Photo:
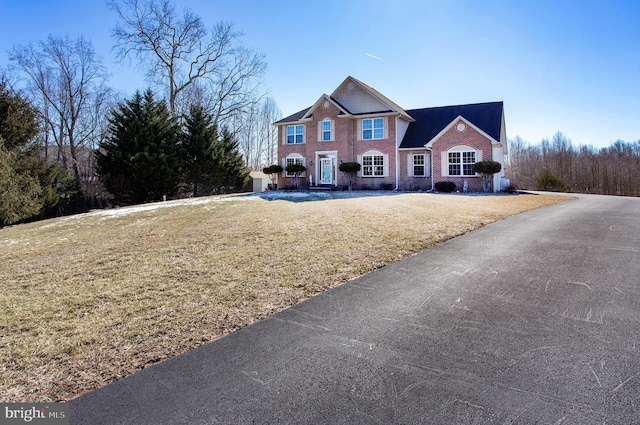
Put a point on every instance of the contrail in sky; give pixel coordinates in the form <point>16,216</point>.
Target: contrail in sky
<point>374,57</point>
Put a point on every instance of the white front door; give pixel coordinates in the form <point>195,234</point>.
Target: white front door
<point>326,171</point>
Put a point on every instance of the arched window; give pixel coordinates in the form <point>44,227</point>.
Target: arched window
<point>459,160</point>
<point>374,164</point>
<point>293,158</point>
<point>326,134</point>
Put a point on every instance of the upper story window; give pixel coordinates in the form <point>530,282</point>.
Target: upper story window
<point>295,134</point>
<point>461,163</point>
<point>326,130</point>
<point>372,128</point>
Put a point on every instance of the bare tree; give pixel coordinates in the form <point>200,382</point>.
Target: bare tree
<point>258,137</point>
<point>67,83</point>
<point>612,170</point>
<point>181,54</point>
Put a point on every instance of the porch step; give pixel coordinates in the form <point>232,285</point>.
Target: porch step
<point>324,188</point>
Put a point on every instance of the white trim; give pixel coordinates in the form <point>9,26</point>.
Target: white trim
<point>334,156</point>
<point>286,134</point>
<point>331,130</point>
<point>293,156</point>
<point>460,149</point>
<point>396,109</point>
<point>411,158</point>
<point>323,98</point>
<point>430,143</point>
<point>373,153</point>
<point>385,125</point>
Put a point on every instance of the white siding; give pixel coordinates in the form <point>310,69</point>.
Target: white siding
<point>358,101</point>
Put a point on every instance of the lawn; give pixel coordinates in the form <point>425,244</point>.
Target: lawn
<point>91,298</point>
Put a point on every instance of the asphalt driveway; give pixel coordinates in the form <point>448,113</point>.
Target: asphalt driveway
<point>534,319</point>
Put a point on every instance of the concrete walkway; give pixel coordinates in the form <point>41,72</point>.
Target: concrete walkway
<point>534,319</point>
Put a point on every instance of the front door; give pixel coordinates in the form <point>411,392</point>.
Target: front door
<point>326,170</point>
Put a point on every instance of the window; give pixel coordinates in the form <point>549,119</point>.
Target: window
<point>293,160</point>
<point>418,165</point>
<point>373,128</point>
<point>326,130</point>
<point>295,134</point>
<point>461,163</point>
<point>373,165</point>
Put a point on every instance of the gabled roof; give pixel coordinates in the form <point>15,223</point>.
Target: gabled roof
<point>391,105</point>
<point>293,118</point>
<point>429,122</point>
<point>326,98</point>
<point>386,104</point>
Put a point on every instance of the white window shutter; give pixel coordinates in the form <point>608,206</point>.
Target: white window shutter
<point>444,164</point>
<point>359,137</point>
<point>385,128</point>
<point>304,134</point>
<point>359,161</point>
<point>410,165</point>
<point>385,165</point>
<point>333,130</point>
<point>478,156</point>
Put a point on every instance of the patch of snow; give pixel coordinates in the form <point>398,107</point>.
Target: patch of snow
<point>119,212</point>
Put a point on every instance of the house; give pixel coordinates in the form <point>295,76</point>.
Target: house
<point>397,149</point>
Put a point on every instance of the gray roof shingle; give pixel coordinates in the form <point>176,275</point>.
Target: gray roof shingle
<point>431,121</point>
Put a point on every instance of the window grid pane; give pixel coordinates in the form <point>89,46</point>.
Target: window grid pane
<point>295,134</point>
<point>418,165</point>
<point>378,162</point>
<point>373,128</point>
<point>291,161</point>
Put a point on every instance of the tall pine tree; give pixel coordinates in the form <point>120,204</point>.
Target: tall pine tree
<point>27,183</point>
<point>141,159</point>
<point>199,146</point>
<point>231,172</point>
<point>212,161</point>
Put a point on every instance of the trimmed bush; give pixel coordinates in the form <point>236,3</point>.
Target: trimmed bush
<point>349,167</point>
<point>445,186</point>
<point>272,169</point>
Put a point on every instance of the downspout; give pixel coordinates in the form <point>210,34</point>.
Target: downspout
<point>397,158</point>
<point>431,156</point>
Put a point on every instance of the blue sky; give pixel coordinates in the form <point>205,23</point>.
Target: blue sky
<point>570,66</point>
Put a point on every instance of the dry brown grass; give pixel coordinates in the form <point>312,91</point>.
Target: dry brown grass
<point>88,299</point>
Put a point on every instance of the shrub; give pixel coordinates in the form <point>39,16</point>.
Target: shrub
<point>547,181</point>
<point>487,169</point>
<point>445,186</point>
<point>349,167</point>
<point>272,169</point>
<point>295,168</point>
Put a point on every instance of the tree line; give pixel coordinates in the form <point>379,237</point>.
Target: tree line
<point>191,68</point>
<point>559,165</point>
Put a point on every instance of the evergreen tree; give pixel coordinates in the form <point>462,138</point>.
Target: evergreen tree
<point>212,162</point>
<point>199,149</point>
<point>230,171</point>
<point>140,160</point>
<point>27,183</point>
